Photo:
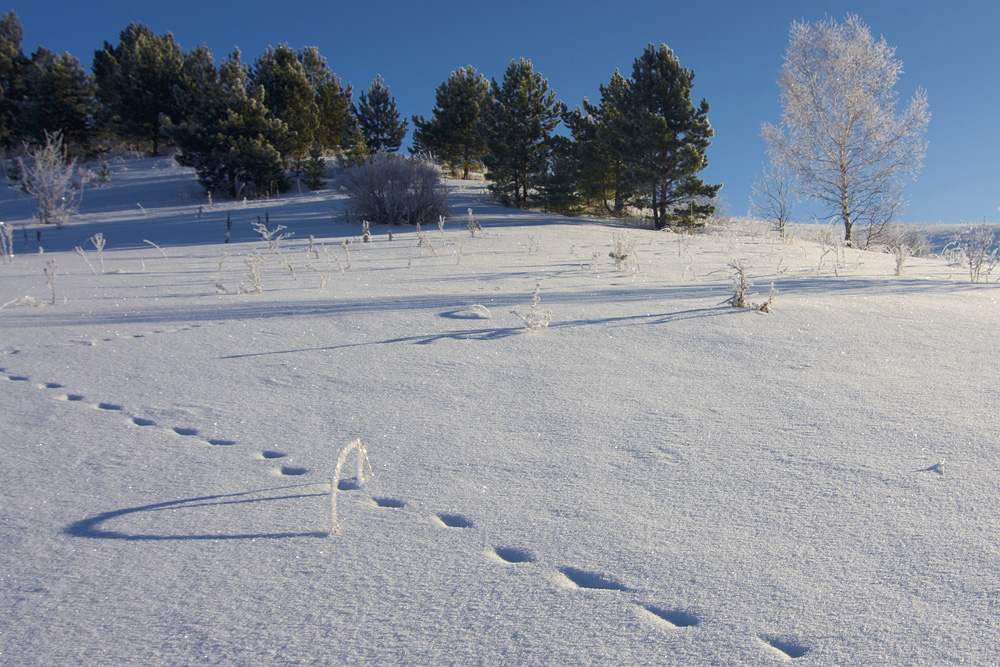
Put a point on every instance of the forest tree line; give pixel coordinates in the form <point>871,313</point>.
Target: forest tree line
<point>245,126</point>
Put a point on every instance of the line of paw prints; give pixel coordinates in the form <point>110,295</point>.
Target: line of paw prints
<point>674,618</point>
<point>137,420</point>
<point>671,617</point>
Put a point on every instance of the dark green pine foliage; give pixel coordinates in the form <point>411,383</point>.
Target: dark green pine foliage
<point>661,137</point>
<point>315,169</point>
<point>598,147</point>
<point>12,68</point>
<point>517,127</point>
<point>59,96</point>
<point>378,119</point>
<point>452,135</point>
<point>336,122</point>
<point>136,80</point>
<point>229,137</point>
<point>288,95</point>
<point>561,190</point>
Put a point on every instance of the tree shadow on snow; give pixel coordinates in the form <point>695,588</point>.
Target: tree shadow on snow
<point>92,527</point>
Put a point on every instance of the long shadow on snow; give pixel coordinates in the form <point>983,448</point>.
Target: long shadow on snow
<point>495,334</point>
<point>91,526</point>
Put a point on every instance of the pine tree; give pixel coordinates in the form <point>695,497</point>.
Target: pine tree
<point>58,97</point>
<point>12,68</point>
<point>379,120</point>
<point>517,128</point>
<point>136,80</point>
<point>231,140</point>
<point>652,127</point>
<point>452,133</point>
<point>288,95</point>
<point>333,102</point>
<point>315,170</point>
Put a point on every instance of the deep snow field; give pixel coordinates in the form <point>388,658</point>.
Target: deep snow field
<point>655,478</point>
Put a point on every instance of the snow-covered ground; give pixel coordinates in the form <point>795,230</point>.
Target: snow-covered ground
<point>653,478</point>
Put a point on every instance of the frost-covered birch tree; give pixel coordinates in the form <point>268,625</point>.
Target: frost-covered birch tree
<point>47,174</point>
<point>840,134</point>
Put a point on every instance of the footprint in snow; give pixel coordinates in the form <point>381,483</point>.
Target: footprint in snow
<point>594,580</point>
<point>142,421</point>
<point>455,520</point>
<point>221,443</point>
<point>514,555</point>
<point>290,470</point>
<point>677,618</point>
<point>788,648</point>
<point>389,502</point>
<point>185,431</point>
<point>109,406</point>
<point>73,397</point>
<point>270,454</point>
<point>17,378</point>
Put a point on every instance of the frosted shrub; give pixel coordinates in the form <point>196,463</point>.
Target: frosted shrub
<point>47,175</point>
<point>742,283</point>
<point>391,189</point>
<point>271,236</point>
<point>978,248</point>
<point>537,318</point>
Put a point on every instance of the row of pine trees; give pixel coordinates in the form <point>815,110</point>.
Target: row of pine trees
<point>244,126</point>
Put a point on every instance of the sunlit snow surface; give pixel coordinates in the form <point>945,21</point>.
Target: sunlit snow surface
<point>653,478</point>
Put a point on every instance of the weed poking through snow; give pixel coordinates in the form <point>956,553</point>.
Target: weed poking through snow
<point>363,463</point>
<point>537,318</point>
<point>742,283</point>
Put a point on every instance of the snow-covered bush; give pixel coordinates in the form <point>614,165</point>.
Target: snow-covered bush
<point>47,175</point>
<point>978,247</point>
<point>388,188</point>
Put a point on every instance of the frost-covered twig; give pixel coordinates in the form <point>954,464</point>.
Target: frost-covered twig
<point>362,464</point>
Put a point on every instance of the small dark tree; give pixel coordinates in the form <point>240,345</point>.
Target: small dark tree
<point>288,95</point>
<point>452,133</point>
<point>336,122</point>
<point>230,139</point>
<point>315,169</point>
<point>517,128</point>
<point>12,68</point>
<point>136,81</point>
<point>378,119</point>
<point>660,138</point>
<point>58,98</point>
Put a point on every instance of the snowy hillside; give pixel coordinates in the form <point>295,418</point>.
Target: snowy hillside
<point>653,478</point>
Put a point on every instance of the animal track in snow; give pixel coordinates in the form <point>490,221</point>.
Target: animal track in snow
<point>270,454</point>
<point>73,397</point>
<point>389,502</point>
<point>513,555</point>
<point>109,406</point>
<point>455,520</point>
<point>142,421</point>
<point>677,618</point>
<point>221,443</point>
<point>290,470</point>
<point>185,431</point>
<point>51,385</point>
<point>17,378</point>
<point>790,649</point>
<point>597,581</point>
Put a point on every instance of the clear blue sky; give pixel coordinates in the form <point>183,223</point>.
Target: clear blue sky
<point>735,48</point>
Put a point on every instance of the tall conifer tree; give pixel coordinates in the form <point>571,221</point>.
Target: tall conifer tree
<point>518,127</point>
<point>452,133</point>
<point>378,118</point>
